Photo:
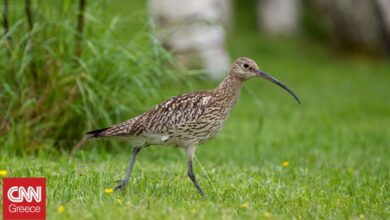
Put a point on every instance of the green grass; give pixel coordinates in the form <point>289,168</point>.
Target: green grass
<point>337,144</point>
<point>45,111</point>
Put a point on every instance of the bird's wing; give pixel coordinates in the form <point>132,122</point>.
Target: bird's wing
<point>172,114</point>
<point>165,117</point>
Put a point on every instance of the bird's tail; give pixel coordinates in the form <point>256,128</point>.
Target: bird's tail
<point>97,133</point>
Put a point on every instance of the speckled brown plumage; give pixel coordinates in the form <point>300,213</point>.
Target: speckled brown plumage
<point>181,120</point>
<point>186,120</point>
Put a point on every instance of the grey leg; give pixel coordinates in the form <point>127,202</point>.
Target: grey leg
<point>191,174</point>
<point>123,183</point>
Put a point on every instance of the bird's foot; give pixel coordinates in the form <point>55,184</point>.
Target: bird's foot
<point>121,185</point>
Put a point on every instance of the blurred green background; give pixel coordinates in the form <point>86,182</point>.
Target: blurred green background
<point>337,143</point>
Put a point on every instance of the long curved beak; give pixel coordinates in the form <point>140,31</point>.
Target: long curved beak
<point>277,82</point>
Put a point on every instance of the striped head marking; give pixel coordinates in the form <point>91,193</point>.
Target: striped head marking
<point>244,68</point>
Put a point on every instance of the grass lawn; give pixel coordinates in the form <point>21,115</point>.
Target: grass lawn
<point>337,145</point>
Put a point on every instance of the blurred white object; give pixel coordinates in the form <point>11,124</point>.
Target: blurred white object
<point>278,17</point>
<point>194,31</point>
<point>384,9</point>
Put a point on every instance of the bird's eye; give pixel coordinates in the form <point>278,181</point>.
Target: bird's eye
<point>246,66</point>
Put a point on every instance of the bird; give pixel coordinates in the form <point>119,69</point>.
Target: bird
<point>188,120</point>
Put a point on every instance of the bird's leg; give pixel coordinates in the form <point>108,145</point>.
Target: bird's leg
<point>191,174</point>
<point>123,183</point>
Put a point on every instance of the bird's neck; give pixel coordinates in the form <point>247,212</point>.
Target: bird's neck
<point>231,84</point>
<point>230,88</point>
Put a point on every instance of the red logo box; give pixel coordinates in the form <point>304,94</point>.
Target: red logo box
<point>24,198</point>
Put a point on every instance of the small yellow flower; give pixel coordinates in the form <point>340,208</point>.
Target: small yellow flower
<point>61,209</point>
<point>193,210</point>
<point>3,173</point>
<point>108,190</point>
<point>361,216</point>
<point>119,201</point>
<point>244,205</point>
<point>285,164</point>
<point>267,215</point>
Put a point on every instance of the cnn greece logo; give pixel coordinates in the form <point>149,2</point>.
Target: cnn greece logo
<point>24,198</point>
<point>28,194</point>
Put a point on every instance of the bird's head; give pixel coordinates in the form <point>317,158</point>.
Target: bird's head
<point>245,68</point>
